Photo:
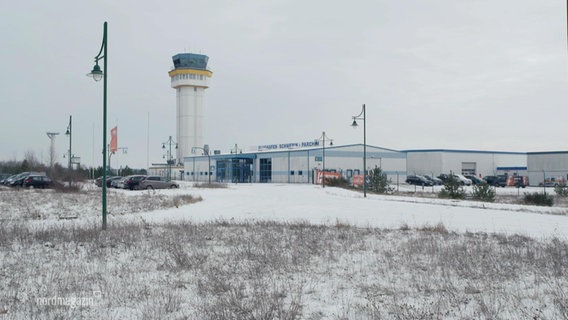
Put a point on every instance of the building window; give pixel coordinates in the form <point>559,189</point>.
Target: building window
<point>300,172</point>
<point>292,172</point>
<point>349,173</point>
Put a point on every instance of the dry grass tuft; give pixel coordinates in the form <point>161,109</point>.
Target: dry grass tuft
<point>213,185</point>
<point>270,270</point>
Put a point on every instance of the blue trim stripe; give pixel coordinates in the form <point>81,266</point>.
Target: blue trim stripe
<point>547,152</point>
<point>512,168</point>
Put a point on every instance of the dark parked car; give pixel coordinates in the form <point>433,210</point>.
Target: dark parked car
<point>418,181</point>
<point>4,176</point>
<point>18,180</point>
<point>435,180</point>
<point>133,182</point>
<point>474,179</point>
<point>99,180</point>
<point>156,182</point>
<point>8,181</point>
<point>496,181</point>
<point>37,181</point>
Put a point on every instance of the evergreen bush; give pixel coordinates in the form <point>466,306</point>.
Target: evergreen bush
<point>452,189</point>
<point>561,189</point>
<point>483,192</point>
<point>539,199</point>
<point>378,181</point>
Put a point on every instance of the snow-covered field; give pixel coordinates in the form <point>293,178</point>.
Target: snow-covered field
<point>309,203</point>
<point>265,251</point>
<point>314,204</point>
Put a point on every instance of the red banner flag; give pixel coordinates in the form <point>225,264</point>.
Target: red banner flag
<point>113,139</point>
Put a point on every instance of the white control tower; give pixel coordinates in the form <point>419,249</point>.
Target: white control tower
<point>190,78</point>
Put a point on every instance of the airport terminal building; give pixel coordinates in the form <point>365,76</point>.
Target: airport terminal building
<point>300,163</point>
<point>297,163</point>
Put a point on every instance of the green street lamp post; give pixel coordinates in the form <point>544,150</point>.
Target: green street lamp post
<point>363,116</point>
<point>97,75</point>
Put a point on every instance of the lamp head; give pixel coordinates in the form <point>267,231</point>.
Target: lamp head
<point>163,146</point>
<point>331,143</point>
<point>96,73</point>
<point>67,132</point>
<point>354,124</point>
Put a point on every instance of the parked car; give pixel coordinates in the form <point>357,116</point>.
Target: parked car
<point>435,181</point>
<point>418,180</point>
<point>37,181</point>
<point>9,180</point>
<point>18,180</point>
<point>474,179</point>
<point>461,179</point>
<point>496,181</point>
<point>4,176</point>
<point>443,177</point>
<point>552,182</point>
<point>118,183</point>
<point>520,181</point>
<point>99,180</point>
<point>156,182</point>
<point>132,182</point>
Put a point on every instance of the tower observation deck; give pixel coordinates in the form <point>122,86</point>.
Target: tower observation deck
<point>190,78</point>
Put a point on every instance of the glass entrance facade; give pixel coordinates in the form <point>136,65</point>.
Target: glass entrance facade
<point>236,170</point>
<point>265,170</point>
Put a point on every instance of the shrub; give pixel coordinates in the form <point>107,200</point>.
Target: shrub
<point>452,189</point>
<point>483,192</point>
<point>439,228</point>
<point>539,199</point>
<point>337,182</point>
<point>561,189</point>
<point>379,181</point>
<point>61,188</point>
<point>213,185</point>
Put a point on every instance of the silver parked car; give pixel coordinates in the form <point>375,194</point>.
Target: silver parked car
<point>461,179</point>
<point>156,182</point>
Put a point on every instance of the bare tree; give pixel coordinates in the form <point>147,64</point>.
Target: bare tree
<point>32,161</point>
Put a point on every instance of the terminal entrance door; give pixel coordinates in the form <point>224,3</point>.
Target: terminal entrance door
<point>236,170</point>
<point>265,170</point>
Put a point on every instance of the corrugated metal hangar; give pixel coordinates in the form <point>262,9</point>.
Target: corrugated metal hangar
<point>467,162</point>
<point>547,168</point>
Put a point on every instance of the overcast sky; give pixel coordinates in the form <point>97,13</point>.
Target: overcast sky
<point>454,74</point>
